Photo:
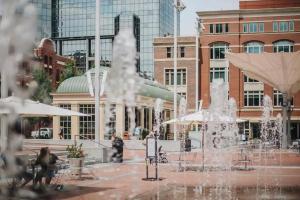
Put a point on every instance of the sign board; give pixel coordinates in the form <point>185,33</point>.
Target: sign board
<point>150,147</point>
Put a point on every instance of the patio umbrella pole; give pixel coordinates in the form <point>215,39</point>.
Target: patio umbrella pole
<point>202,149</point>
<point>284,143</point>
<point>289,115</point>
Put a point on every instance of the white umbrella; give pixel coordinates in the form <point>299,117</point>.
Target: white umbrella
<point>32,108</point>
<point>279,70</point>
<point>202,116</point>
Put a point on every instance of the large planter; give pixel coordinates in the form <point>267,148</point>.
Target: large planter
<point>76,165</point>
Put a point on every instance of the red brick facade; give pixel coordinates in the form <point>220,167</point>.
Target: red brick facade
<point>187,63</point>
<point>52,62</point>
<point>237,39</point>
<point>258,4</point>
<point>260,27</point>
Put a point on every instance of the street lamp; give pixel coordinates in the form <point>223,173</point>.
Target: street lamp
<point>178,7</point>
<point>97,72</point>
<point>199,29</point>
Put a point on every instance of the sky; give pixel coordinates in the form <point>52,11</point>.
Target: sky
<point>188,16</point>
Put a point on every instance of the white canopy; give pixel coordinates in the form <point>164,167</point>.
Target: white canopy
<point>279,70</point>
<point>202,116</point>
<point>32,108</point>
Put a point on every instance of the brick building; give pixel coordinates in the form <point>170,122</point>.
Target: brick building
<point>164,62</point>
<point>258,26</point>
<point>52,63</point>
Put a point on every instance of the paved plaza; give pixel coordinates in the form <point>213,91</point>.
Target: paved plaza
<point>279,173</point>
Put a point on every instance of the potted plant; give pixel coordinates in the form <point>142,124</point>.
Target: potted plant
<point>76,158</point>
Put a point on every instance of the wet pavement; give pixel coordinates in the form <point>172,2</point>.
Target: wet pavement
<point>275,178</point>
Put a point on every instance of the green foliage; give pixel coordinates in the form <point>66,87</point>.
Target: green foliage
<point>145,132</point>
<point>68,72</point>
<point>42,92</point>
<point>75,151</point>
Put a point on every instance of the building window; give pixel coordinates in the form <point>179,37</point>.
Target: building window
<point>87,123</point>
<point>169,77</point>
<point>182,94</point>
<point>278,98</point>
<point>245,28</point>
<point>253,98</point>
<point>283,46</point>
<point>65,123</point>
<point>249,80</point>
<point>211,28</point>
<point>283,26</point>
<point>254,47</point>
<point>219,72</point>
<point>182,52</point>
<point>181,77</point>
<point>291,26</point>
<point>252,27</point>
<point>275,26</point>
<point>226,28</point>
<point>169,52</point>
<point>261,27</point>
<point>219,28</point>
<point>217,51</point>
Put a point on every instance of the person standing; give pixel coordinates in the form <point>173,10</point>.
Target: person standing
<point>117,145</point>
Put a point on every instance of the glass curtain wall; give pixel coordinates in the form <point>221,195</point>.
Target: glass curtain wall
<point>75,20</point>
<point>43,9</point>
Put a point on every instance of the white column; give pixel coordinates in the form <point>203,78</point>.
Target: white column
<point>142,117</point>
<point>102,121</point>
<point>56,125</point>
<point>120,119</point>
<point>150,119</point>
<point>74,121</point>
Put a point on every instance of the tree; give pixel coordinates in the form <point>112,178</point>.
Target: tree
<point>42,92</point>
<point>68,72</point>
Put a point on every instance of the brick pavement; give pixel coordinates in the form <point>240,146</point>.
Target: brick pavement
<point>124,181</point>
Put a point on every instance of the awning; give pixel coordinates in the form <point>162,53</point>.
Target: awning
<point>203,116</point>
<point>279,70</point>
<point>31,108</point>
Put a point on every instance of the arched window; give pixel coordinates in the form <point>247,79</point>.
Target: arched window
<point>254,47</point>
<point>217,50</point>
<point>283,46</point>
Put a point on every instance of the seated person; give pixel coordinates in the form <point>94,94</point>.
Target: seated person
<point>47,162</point>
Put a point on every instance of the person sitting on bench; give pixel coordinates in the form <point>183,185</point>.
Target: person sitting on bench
<point>47,162</point>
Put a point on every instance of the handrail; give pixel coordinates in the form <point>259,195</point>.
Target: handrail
<point>85,137</point>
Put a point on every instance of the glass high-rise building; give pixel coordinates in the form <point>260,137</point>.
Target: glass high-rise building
<point>44,17</point>
<point>73,28</point>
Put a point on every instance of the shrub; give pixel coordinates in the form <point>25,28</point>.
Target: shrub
<point>75,151</point>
